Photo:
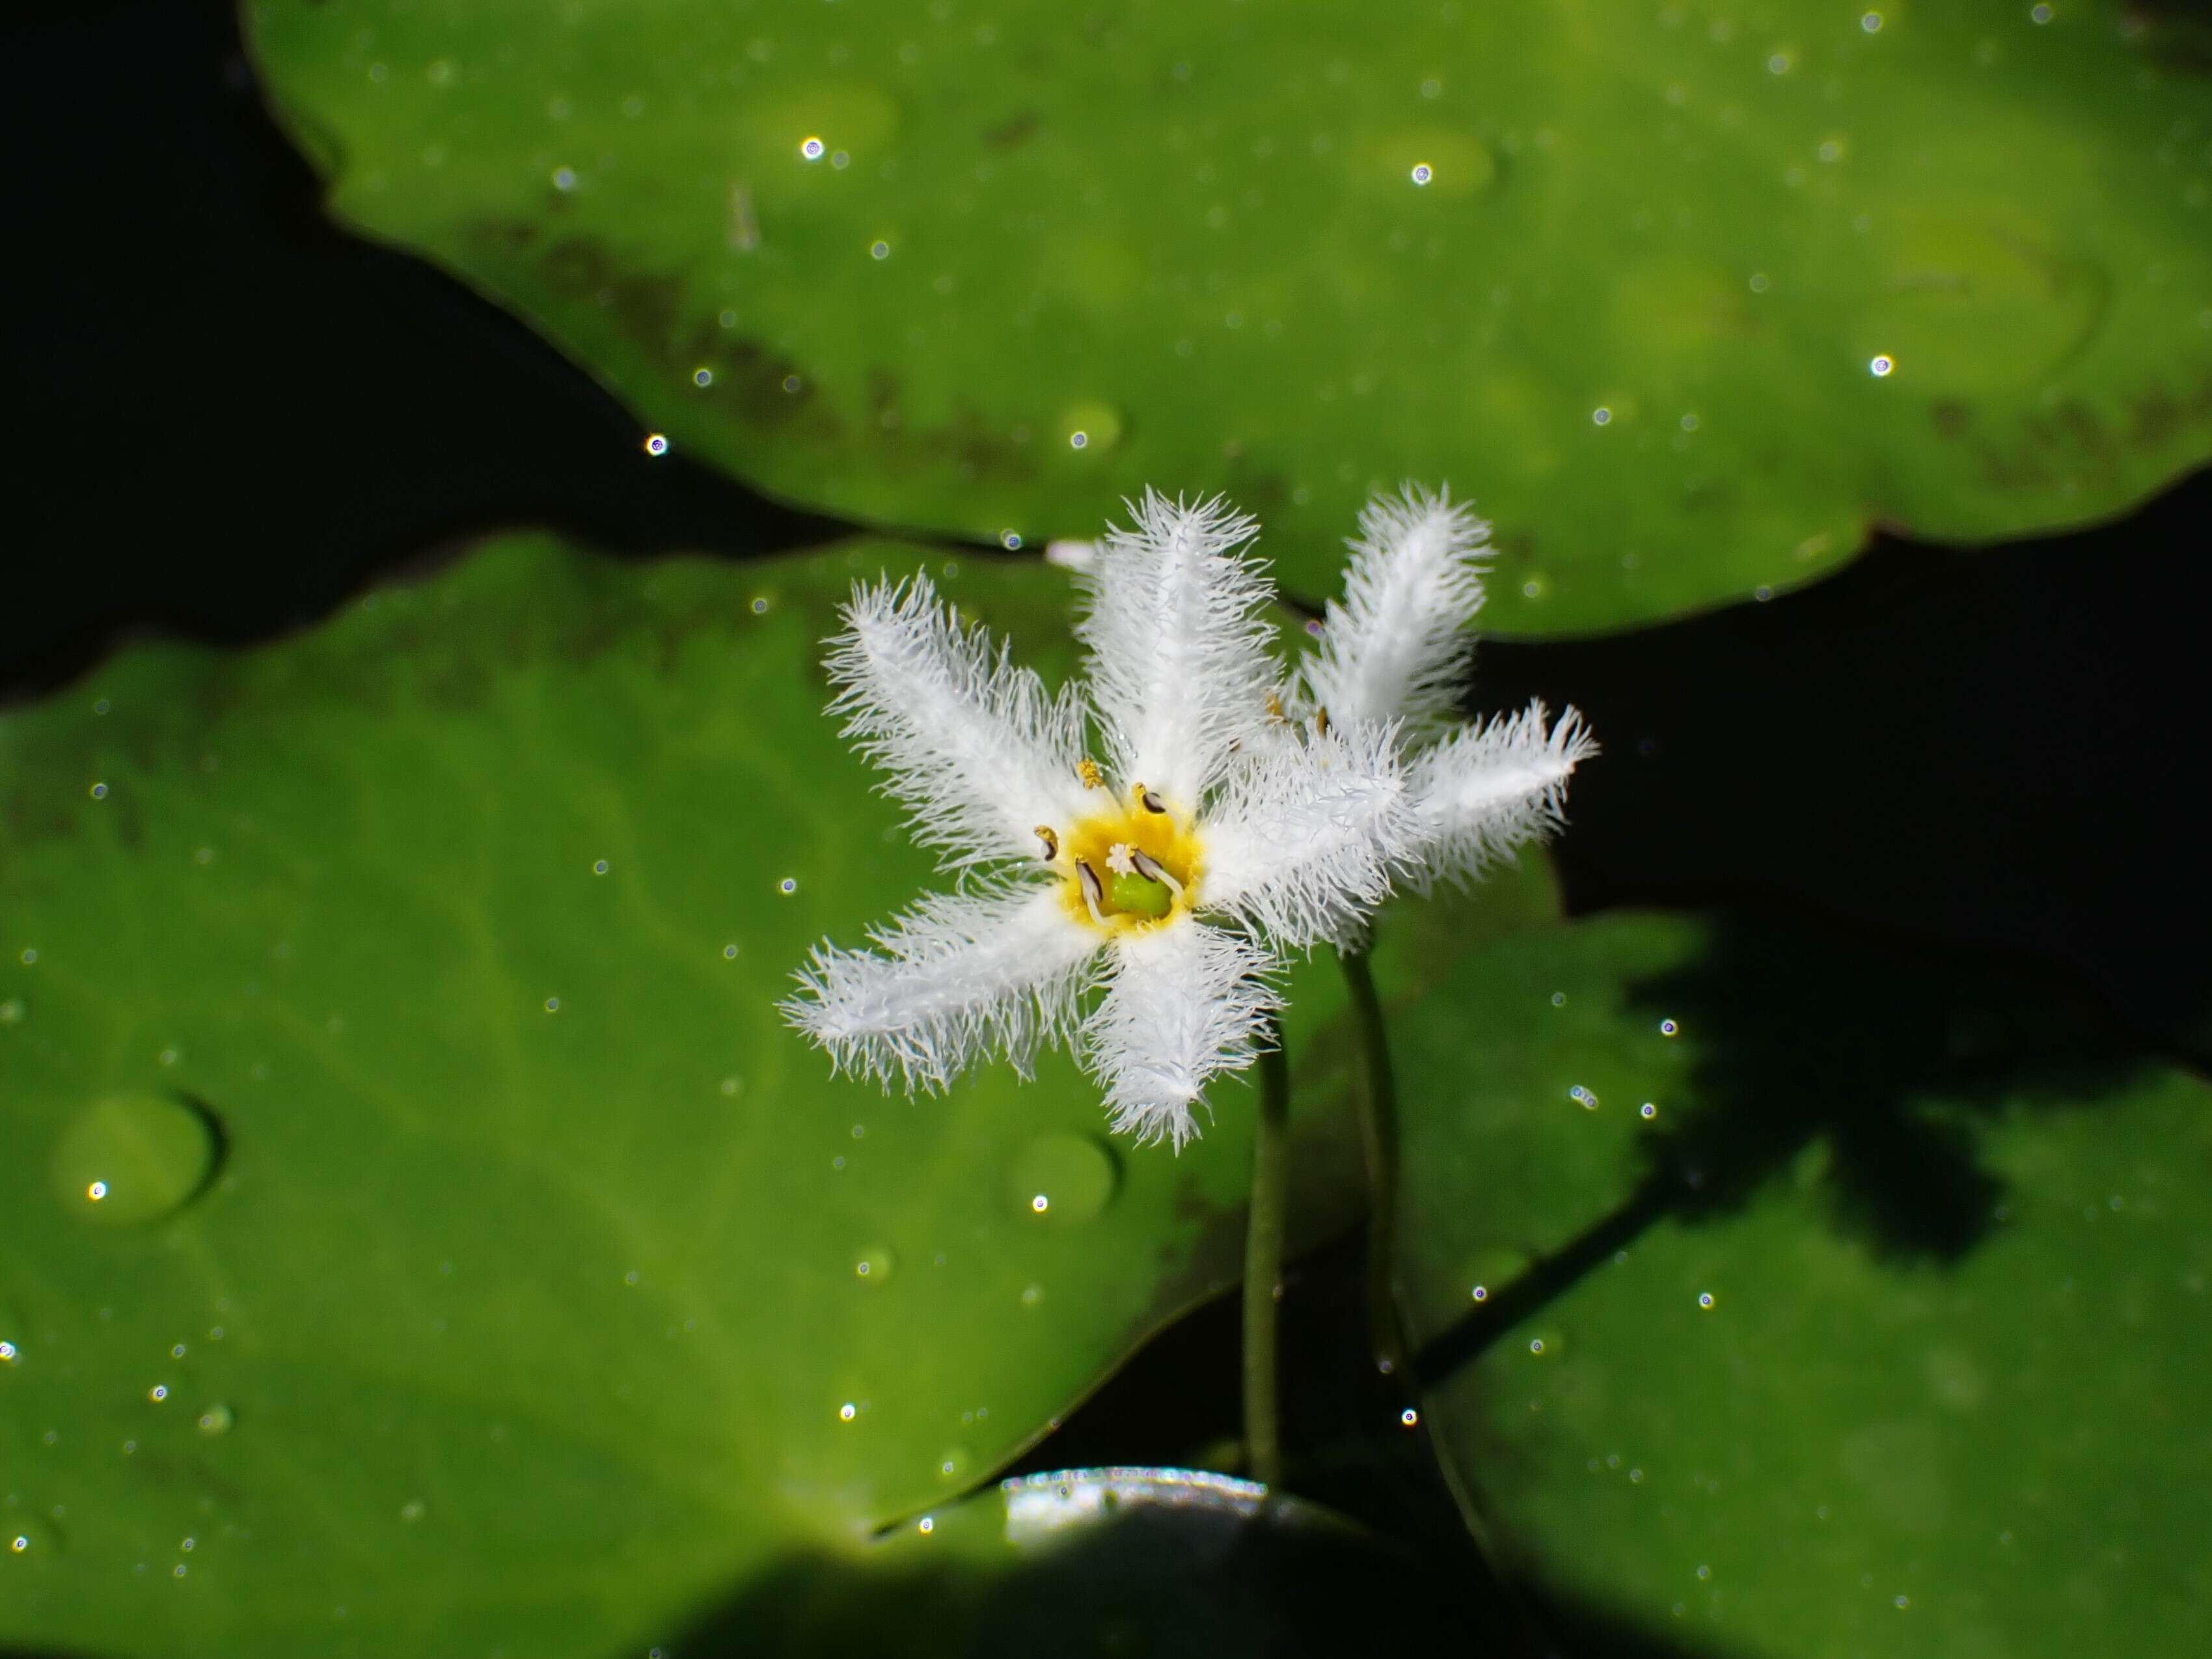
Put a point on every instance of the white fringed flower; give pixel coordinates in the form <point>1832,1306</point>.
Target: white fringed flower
<point>1396,650</point>
<point>1213,839</point>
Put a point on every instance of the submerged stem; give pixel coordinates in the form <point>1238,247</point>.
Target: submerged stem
<point>1263,1265</point>
<point>1377,1098</point>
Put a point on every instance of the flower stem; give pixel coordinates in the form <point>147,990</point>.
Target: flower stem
<point>1377,1098</point>
<point>1263,1266</point>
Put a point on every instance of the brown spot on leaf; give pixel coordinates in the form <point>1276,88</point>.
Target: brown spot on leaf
<point>1017,128</point>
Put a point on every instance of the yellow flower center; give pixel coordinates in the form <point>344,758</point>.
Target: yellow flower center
<point>1135,865</point>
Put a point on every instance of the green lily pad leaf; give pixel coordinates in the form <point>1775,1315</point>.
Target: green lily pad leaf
<point>1687,297</point>
<point>418,1232</point>
<point>1111,1561</point>
<point>1816,1301</point>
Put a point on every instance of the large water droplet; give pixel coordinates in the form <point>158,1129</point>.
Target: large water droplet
<point>130,1158</point>
<point>1064,1177</point>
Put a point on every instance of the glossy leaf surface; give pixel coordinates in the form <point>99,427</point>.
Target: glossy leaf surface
<point>418,1232</point>
<point>1882,1332</point>
<point>1688,295</point>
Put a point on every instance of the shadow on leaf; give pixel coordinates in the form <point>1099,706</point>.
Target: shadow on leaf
<point>1855,1067</point>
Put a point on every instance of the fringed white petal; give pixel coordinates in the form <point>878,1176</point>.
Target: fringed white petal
<point>974,746</point>
<point>1486,789</point>
<point>1179,670</point>
<point>1185,1003</point>
<point>1302,843</point>
<point>959,977</point>
<point>1397,648</point>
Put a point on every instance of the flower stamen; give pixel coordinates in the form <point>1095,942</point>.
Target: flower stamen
<point>1153,870</point>
<point>1087,769</point>
<point>1148,798</point>
<point>1119,860</point>
<point>1094,891</point>
<point>1050,840</point>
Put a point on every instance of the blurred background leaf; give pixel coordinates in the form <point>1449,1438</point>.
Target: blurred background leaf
<point>417,1232</point>
<point>1689,296</point>
<point>1789,1293</point>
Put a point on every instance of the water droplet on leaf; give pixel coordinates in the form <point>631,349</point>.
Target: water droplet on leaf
<point>131,1159</point>
<point>1075,1175</point>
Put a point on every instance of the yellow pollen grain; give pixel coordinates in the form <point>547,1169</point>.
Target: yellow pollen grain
<point>1087,769</point>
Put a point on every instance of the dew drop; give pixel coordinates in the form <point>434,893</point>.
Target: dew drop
<point>1064,1177</point>
<point>787,886</point>
<point>1601,415</point>
<point>598,867</point>
<point>1705,1299</point>
<point>1423,172</point>
<point>564,179</point>
<point>552,1005</point>
<point>925,1524</point>
<point>1647,1109</point>
<point>130,1158</point>
<point>811,148</point>
<point>1010,540</point>
<point>1668,1027</point>
<point>411,1511</point>
<point>702,377</point>
<point>1881,365</point>
<point>874,1265</point>
<point>1409,1417</point>
<point>656,443</point>
<point>8,1353</point>
<point>729,953</point>
<point>879,250</point>
<point>215,1421</point>
<point>98,791</point>
<point>12,1012</point>
<point>847,1411</point>
<point>158,1392</point>
<point>952,1463</point>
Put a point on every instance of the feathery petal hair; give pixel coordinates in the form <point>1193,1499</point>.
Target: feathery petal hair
<point>991,971</point>
<point>973,745</point>
<point>1486,789</point>
<point>1177,627</point>
<point>1310,832</point>
<point>1185,1004</point>
<point>1397,647</point>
